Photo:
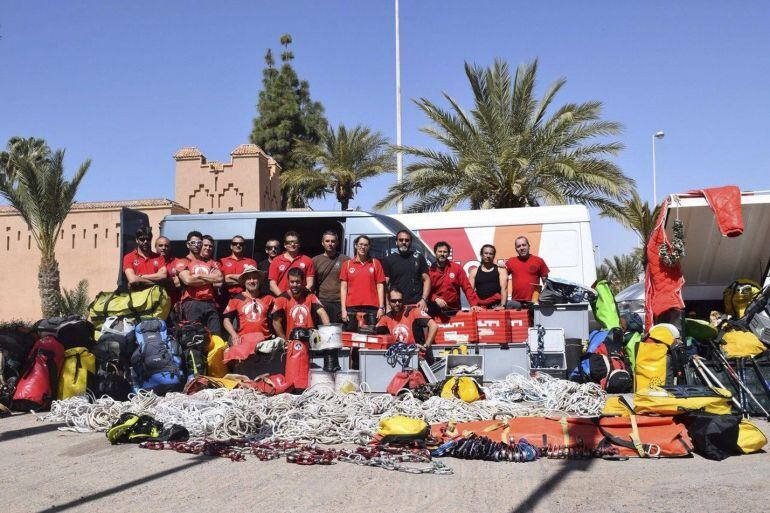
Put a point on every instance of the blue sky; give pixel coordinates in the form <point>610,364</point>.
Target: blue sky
<point>128,83</point>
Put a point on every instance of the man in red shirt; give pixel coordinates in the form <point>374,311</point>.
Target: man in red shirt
<point>290,259</point>
<point>143,268</point>
<point>171,283</point>
<point>446,280</point>
<point>199,273</point>
<point>297,307</point>
<point>232,266</point>
<point>526,270</point>
<point>249,307</point>
<point>408,324</point>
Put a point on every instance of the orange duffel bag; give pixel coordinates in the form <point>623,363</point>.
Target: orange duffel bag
<point>636,436</point>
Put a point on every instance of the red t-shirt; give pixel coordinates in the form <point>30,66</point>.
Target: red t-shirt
<point>362,278</point>
<point>143,265</point>
<point>297,314</point>
<point>197,268</point>
<point>279,269</point>
<point>402,327</point>
<point>252,313</point>
<point>231,265</point>
<point>446,284</point>
<point>525,276</point>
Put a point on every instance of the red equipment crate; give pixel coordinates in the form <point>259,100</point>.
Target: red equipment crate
<point>350,339</point>
<point>494,327</point>
<point>457,329</point>
<point>519,320</point>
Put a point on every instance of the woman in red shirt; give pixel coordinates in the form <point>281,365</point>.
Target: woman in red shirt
<point>362,283</point>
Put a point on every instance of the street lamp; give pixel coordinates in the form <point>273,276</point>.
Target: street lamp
<point>658,135</point>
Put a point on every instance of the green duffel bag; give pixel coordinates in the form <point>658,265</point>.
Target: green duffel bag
<point>150,302</point>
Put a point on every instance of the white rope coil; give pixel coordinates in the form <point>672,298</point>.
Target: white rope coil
<point>323,416</point>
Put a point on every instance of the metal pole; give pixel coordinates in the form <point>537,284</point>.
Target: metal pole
<point>654,177</point>
<point>399,157</point>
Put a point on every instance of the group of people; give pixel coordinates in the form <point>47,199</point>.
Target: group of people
<point>400,295</point>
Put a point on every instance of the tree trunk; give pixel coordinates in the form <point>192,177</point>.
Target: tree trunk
<point>49,287</point>
<point>344,203</point>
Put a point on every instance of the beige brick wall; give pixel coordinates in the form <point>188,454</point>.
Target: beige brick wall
<point>87,247</point>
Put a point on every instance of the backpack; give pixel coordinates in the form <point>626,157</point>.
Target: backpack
<point>605,362</point>
<point>194,340</point>
<point>739,295</point>
<point>71,331</point>
<point>113,354</point>
<point>38,384</point>
<point>156,364</point>
<point>78,373</point>
<point>659,358</point>
<point>604,307</point>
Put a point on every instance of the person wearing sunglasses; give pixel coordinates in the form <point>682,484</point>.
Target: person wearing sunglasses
<point>142,266</point>
<point>199,274</point>
<point>232,266</point>
<point>290,259</point>
<point>408,324</point>
<point>272,248</point>
<point>407,270</point>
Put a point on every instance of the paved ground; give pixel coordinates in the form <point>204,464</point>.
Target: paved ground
<point>49,470</point>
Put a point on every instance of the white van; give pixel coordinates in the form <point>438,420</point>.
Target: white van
<point>560,235</point>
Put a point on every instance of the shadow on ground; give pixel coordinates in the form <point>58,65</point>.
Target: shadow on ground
<point>125,486</point>
<point>550,484</point>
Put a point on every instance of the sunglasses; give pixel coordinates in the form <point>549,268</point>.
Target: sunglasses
<point>195,243</point>
<point>143,239</point>
<point>271,248</point>
<point>239,244</point>
<point>396,300</point>
<point>404,240</point>
<point>291,243</point>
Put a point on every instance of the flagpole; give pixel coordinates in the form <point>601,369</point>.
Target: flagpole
<point>399,157</point>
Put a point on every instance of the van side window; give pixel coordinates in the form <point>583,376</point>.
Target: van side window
<point>382,246</point>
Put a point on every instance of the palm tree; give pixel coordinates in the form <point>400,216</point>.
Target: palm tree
<point>621,271</point>
<point>20,147</point>
<point>636,216</point>
<point>75,301</point>
<point>343,160</point>
<point>508,152</point>
<point>43,198</point>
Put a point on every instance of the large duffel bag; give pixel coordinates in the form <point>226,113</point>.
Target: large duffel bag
<point>150,302</point>
<point>673,400</point>
<point>560,291</point>
<point>635,436</point>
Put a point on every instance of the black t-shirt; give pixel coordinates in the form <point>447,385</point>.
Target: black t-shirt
<point>405,273</point>
<point>264,287</point>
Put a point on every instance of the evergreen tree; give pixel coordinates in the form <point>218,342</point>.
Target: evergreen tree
<point>286,115</point>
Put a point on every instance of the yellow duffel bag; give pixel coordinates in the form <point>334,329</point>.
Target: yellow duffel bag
<point>401,428</point>
<point>616,406</point>
<point>737,344</point>
<point>150,302</point>
<point>750,437</point>
<point>215,364</point>
<point>682,399</point>
<point>463,388</point>
<point>78,373</point>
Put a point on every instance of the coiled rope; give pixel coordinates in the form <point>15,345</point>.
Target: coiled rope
<point>322,416</point>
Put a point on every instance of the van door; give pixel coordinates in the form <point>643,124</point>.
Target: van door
<point>130,222</point>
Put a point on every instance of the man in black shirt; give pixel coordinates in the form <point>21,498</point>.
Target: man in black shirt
<point>407,271</point>
<point>272,248</point>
